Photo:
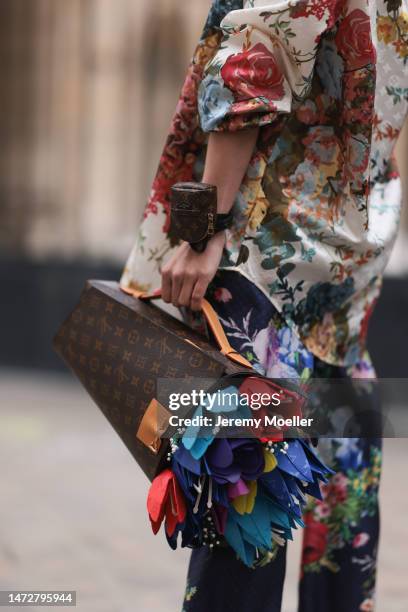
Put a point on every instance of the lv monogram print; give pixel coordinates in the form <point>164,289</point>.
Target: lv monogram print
<point>119,346</point>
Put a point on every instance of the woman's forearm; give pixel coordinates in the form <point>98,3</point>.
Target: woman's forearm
<point>186,276</point>
<point>228,156</point>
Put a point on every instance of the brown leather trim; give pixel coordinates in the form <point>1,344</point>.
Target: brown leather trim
<point>154,423</point>
<point>212,320</point>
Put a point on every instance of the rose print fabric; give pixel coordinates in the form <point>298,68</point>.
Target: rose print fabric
<point>317,211</point>
<point>340,539</point>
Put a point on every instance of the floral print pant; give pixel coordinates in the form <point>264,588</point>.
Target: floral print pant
<point>340,537</point>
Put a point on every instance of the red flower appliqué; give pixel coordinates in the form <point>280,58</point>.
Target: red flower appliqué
<point>165,501</point>
<point>354,42</point>
<point>253,73</point>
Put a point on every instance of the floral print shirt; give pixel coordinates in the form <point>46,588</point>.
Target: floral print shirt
<point>318,208</point>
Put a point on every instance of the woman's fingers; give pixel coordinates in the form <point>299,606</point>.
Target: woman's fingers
<point>186,276</point>
<point>198,293</point>
<point>189,281</point>
<point>176,285</point>
<point>166,285</point>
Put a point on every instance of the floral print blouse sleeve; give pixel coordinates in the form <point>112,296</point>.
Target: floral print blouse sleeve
<point>317,212</point>
<point>264,62</point>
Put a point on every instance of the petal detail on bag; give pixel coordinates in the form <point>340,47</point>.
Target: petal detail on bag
<point>165,500</point>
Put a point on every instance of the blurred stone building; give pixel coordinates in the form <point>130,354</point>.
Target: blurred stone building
<point>87,90</point>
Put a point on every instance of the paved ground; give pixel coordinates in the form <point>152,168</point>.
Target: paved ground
<point>72,508</point>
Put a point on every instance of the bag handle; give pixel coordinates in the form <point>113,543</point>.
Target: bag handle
<point>212,320</point>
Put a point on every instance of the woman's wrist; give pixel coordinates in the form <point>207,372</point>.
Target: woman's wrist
<point>217,241</point>
<point>219,238</point>
<point>225,195</point>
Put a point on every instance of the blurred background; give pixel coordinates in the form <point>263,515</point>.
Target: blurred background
<point>87,90</point>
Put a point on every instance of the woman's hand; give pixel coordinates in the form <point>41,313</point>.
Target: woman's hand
<point>186,276</point>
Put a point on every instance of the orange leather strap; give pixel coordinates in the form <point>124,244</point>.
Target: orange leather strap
<point>212,320</point>
<point>154,423</point>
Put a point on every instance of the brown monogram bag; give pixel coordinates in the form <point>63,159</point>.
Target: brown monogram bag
<point>118,345</point>
<point>193,211</point>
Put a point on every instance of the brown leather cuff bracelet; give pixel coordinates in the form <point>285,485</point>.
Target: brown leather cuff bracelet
<point>194,216</point>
